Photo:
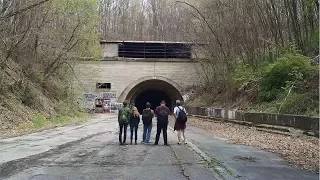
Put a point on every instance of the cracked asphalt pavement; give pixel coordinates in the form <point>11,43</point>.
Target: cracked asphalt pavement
<point>98,156</point>
<point>91,151</point>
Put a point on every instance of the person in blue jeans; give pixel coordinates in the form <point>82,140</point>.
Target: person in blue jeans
<point>134,123</point>
<point>147,115</point>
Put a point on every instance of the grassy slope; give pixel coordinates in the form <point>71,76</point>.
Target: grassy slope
<point>27,106</point>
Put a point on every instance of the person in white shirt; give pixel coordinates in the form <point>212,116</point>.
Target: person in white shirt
<point>179,126</point>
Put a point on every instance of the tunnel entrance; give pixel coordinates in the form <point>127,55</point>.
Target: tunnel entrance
<point>154,97</point>
<point>153,91</point>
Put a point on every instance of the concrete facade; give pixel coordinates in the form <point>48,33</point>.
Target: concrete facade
<point>131,78</point>
<point>110,50</point>
<point>126,75</point>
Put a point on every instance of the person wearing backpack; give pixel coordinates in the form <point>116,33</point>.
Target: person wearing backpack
<point>123,119</point>
<point>147,115</point>
<point>162,112</point>
<point>134,123</point>
<point>180,116</point>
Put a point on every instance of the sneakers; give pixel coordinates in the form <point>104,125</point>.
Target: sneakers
<point>148,143</point>
<point>183,142</point>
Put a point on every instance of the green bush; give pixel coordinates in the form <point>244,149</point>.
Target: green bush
<point>276,75</point>
<point>268,96</point>
<point>301,104</point>
<point>292,103</point>
<point>304,104</point>
<point>39,121</point>
<point>244,74</point>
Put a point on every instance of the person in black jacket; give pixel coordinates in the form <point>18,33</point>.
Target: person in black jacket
<point>162,112</point>
<point>147,116</point>
<point>134,123</point>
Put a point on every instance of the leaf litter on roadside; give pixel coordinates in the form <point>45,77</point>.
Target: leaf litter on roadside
<point>300,152</point>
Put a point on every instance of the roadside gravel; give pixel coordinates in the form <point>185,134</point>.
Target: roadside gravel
<point>301,152</point>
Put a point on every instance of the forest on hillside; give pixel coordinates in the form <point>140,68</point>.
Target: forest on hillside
<point>40,41</point>
<point>260,54</point>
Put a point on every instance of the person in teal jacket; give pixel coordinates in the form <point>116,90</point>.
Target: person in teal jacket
<point>123,119</point>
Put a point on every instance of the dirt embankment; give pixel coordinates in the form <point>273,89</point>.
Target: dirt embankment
<point>29,104</point>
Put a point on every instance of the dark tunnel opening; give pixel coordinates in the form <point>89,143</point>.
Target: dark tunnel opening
<point>154,97</point>
<point>153,91</point>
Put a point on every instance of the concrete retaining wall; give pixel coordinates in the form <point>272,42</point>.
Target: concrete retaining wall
<point>295,121</point>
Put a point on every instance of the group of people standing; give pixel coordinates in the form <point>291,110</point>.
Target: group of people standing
<point>131,117</point>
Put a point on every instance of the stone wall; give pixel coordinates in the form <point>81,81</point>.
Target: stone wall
<point>295,121</point>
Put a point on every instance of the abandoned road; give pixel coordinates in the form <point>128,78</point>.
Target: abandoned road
<point>91,151</point>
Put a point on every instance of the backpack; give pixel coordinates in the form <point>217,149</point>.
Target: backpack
<point>147,116</point>
<point>162,117</point>
<point>124,117</point>
<point>182,116</point>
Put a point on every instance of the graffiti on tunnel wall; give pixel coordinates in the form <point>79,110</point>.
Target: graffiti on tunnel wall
<point>93,100</point>
<point>103,95</point>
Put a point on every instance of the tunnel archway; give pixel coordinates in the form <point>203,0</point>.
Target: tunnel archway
<point>153,91</point>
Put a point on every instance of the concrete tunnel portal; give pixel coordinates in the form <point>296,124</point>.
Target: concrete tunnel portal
<point>153,91</point>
